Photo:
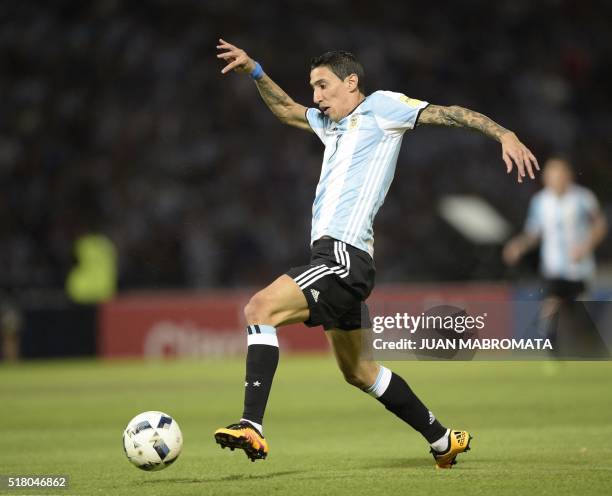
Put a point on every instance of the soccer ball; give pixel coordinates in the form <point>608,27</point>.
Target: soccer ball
<point>152,440</point>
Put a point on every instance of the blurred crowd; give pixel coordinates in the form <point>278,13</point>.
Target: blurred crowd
<point>115,119</point>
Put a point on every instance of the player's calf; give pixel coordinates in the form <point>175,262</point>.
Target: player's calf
<point>362,375</point>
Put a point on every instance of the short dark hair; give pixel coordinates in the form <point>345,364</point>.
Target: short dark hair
<point>342,64</point>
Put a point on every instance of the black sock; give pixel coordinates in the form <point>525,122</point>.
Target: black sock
<point>261,362</point>
<point>551,328</point>
<point>401,400</point>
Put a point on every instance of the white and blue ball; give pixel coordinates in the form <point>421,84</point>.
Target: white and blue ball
<point>152,440</point>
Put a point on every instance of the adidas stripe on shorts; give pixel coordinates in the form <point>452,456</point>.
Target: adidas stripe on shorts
<point>336,284</point>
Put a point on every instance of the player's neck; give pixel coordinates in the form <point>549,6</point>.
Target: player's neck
<point>559,192</point>
<point>358,101</point>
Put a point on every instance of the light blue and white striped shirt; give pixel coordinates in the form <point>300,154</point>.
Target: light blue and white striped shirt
<point>563,223</point>
<point>359,161</point>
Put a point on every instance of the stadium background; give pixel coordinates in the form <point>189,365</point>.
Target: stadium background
<point>114,119</point>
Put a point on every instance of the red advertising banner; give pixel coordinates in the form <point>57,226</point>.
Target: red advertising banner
<point>182,324</point>
<point>157,325</point>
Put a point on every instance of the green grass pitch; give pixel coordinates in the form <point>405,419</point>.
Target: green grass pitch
<point>535,432</point>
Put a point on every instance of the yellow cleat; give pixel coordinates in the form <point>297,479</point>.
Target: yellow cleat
<point>244,436</point>
<point>459,441</point>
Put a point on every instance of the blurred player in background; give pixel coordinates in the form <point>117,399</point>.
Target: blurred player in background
<point>362,137</point>
<point>566,221</point>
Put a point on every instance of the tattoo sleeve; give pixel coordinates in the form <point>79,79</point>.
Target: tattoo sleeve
<point>276,99</point>
<point>461,117</point>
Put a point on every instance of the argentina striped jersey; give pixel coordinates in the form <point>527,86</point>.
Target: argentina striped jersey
<point>563,223</point>
<point>359,161</point>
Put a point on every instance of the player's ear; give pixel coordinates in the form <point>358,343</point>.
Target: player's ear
<point>353,82</point>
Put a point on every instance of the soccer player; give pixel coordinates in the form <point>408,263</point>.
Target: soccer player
<point>566,220</point>
<point>362,136</point>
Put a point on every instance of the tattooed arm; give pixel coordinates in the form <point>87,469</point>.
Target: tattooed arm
<point>512,149</point>
<point>281,104</point>
<point>461,117</point>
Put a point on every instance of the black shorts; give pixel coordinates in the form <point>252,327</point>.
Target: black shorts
<point>563,288</point>
<point>336,284</point>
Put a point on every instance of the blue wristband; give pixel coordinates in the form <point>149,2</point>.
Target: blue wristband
<point>257,73</point>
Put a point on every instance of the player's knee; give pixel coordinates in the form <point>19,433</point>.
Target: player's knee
<point>258,310</point>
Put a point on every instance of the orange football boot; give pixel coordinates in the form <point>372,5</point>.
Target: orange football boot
<point>459,442</point>
<point>244,436</point>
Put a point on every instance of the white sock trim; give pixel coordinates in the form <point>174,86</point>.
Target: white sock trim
<point>257,426</point>
<point>269,339</point>
<point>261,334</point>
<point>381,383</point>
<point>442,443</point>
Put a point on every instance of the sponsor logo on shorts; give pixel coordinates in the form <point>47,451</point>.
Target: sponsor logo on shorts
<point>315,295</point>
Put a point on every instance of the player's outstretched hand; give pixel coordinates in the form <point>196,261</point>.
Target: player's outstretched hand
<point>512,252</point>
<point>515,151</point>
<point>236,58</point>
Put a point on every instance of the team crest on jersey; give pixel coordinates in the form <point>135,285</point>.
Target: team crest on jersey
<point>354,122</point>
<point>410,101</point>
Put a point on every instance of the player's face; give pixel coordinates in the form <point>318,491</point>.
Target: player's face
<point>557,176</point>
<point>333,95</point>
